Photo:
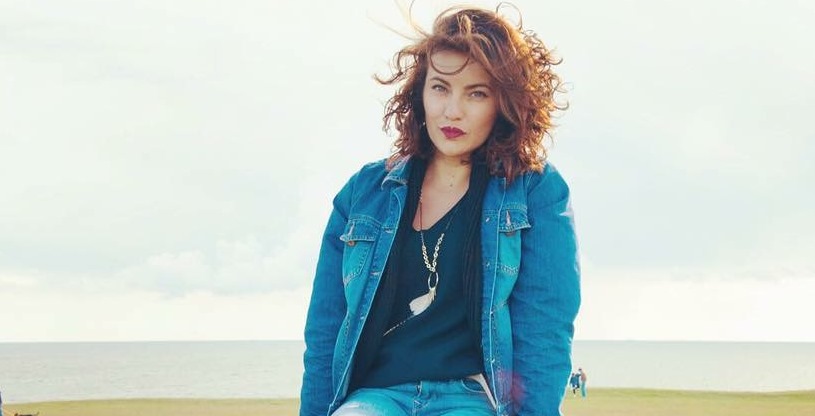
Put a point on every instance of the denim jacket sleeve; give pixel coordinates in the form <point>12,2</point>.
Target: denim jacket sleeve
<point>326,311</point>
<point>545,299</point>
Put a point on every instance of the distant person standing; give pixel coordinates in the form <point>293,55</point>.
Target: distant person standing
<point>582,382</point>
<point>574,382</point>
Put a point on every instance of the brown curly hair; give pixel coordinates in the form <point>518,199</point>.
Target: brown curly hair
<point>521,69</point>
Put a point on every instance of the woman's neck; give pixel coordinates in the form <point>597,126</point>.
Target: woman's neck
<point>447,175</point>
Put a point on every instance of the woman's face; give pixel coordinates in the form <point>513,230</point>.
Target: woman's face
<point>461,108</point>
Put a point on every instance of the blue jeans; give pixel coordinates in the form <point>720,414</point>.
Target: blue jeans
<point>463,397</point>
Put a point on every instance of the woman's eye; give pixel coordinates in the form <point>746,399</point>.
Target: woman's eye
<point>479,94</point>
<point>438,87</point>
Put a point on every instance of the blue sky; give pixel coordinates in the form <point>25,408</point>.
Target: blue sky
<point>166,169</point>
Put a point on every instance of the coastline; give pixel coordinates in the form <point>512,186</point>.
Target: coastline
<point>606,401</point>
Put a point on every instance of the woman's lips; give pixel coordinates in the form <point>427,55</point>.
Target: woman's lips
<point>452,132</point>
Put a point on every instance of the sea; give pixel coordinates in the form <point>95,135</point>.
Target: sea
<point>32,372</point>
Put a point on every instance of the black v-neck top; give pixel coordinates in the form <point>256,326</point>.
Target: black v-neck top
<point>435,344</point>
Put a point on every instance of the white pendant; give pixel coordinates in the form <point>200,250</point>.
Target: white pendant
<point>421,303</point>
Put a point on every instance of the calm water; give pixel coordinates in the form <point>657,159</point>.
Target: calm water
<point>272,369</point>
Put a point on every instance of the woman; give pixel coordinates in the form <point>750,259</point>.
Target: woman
<point>448,281</point>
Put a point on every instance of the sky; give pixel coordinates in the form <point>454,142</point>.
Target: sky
<point>167,168</point>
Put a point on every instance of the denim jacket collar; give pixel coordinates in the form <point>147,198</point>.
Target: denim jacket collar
<point>399,173</point>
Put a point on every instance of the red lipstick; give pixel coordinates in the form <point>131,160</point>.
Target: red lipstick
<point>452,132</point>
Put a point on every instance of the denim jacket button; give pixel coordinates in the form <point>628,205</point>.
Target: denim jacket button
<point>351,243</point>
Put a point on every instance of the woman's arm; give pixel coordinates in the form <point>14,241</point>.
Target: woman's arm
<point>325,313</point>
<point>545,299</point>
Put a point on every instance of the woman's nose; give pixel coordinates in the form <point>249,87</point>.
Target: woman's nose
<point>452,109</point>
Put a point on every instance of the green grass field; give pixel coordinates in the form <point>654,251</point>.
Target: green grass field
<point>637,402</point>
<point>605,402</point>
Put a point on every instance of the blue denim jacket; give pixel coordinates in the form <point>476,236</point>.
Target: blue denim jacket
<point>528,307</point>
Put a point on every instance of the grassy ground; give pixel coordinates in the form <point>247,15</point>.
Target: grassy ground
<point>156,407</point>
<point>605,402</point>
<point>636,402</point>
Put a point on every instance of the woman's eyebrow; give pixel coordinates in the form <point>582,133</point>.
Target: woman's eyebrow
<point>480,85</point>
<point>467,87</point>
<point>439,79</point>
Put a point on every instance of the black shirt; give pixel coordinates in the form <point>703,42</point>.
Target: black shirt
<point>435,344</point>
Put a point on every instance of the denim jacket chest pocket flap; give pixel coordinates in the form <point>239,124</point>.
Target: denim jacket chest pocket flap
<point>359,237</point>
<point>511,222</point>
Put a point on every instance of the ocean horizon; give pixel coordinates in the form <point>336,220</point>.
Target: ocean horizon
<point>51,371</point>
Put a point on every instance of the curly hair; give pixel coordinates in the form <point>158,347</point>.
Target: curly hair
<point>521,68</point>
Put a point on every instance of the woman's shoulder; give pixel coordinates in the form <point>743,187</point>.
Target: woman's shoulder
<point>547,178</point>
<point>383,171</point>
<point>375,168</point>
<point>371,172</point>
<point>546,186</point>
<point>366,177</point>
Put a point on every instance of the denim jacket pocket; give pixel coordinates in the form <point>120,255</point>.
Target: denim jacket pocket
<point>511,220</point>
<point>359,237</point>
<point>511,223</point>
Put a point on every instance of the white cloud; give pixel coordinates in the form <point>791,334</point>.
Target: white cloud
<point>44,315</point>
<point>723,305</point>
<point>235,267</point>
